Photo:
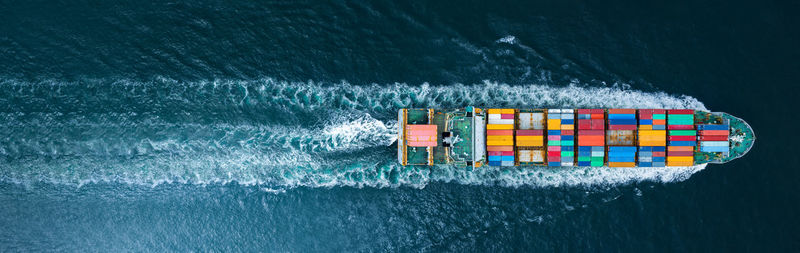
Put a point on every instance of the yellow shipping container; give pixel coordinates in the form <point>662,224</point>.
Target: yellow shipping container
<point>680,163</point>
<point>645,127</point>
<point>499,143</point>
<point>652,143</point>
<point>680,158</point>
<point>500,126</point>
<point>507,111</point>
<point>495,111</point>
<point>529,143</point>
<point>554,124</point>
<point>530,138</point>
<point>499,138</point>
<point>652,132</point>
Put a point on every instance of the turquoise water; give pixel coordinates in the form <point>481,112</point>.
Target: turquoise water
<point>269,126</point>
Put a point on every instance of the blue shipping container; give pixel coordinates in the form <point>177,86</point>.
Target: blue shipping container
<point>659,127</point>
<point>621,159</point>
<point>598,148</point>
<point>554,164</point>
<point>645,164</point>
<point>567,148</point>
<point>584,163</point>
<point>659,159</point>
<point>712,127</point>
<point>553,132</point>
<point>584,116</point>
<point>646,148</point>
<point>622,116</point>
<point>659,149</point>
<point>659,164</point>
<point>682,143</point>
<point>508,158</point>
<point>567,138</point>
<point>567,121</point>
<point>621,154</point>
<point>645,122</point>
<point>493,158</point>
<point>498,163</point>
<point>585,148</point>
<point>622,122</point>
<point>621,149</point>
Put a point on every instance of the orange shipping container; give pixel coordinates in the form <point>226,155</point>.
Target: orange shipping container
<point>619,164</point>
<point>680,148</point>
<point>499,148</point>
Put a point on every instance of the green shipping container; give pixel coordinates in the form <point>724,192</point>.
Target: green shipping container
<point>597,159</point>
<point>553,143</point>
<point>567,143</point>
<point>659,116</point>
<point>682,116</point>
<point>683,132</point>
<point>597,164</point>
<point>567,153</point>
<point>584,159</point>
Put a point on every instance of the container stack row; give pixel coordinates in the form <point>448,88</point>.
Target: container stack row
<point>560,137</point>
<point>682,138</point>
<point>652,137</point>
<point>714,138</point>
<point>530,137</point>
<point>620,137</point>
<point>621,156</point>
<point>591,137</point>
<point>500,137</point>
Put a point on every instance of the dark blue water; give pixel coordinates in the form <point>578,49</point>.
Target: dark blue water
<point>268,126</point>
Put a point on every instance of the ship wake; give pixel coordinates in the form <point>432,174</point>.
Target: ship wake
<point>270,133</point>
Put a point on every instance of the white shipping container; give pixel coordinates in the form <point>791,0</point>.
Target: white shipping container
<point>554,110</point>
<point>567,111</point>
<point>495,116</point>
<point>714,143</point>
<point>525,116</point>
<point>598,154</point>
<point>566,164</point>
<point>501,121</point>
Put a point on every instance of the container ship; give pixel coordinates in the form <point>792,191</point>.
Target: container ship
<point>474,137</point>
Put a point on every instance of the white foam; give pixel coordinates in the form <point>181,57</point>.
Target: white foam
<point>348,148</point>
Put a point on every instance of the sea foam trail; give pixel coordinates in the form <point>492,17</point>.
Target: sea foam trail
<point>270,133</point>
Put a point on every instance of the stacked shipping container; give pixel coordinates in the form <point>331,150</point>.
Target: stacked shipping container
<point>714,138</point>
<point>591,137</point>
<point>560,137</point>
<point>652,137</point>
<point>530,138</point>
<point>682,138</point>
<point>500,137</point>
<point>621,127</point>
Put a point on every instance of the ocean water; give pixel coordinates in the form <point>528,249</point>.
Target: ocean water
<point>269,126</point>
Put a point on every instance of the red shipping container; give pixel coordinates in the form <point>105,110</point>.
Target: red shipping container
<point>528,132</point>
<point>682,138</point>
<point>681,111</point>
<point>495,153</point>
<point>584,122</point>
<point>659,111</point>
<point>680,153</point>
<point>659,154</point>
<point>507,116</point>
<point>645,116</point>
<point>499,132</point>
<point>714,132</point>
<point>584,111</point>
<point>553,153</point>
<point>507,153</point>
<point>567,132</point>
<point>598,116</point>
<point>680,127</point>
<point>591,132</point>
<point>598,111</point>
<point>584,126</point>
<point>554,158</point>
<point>621,111</point>
<point>622,127</point>
<point>714,138</point>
